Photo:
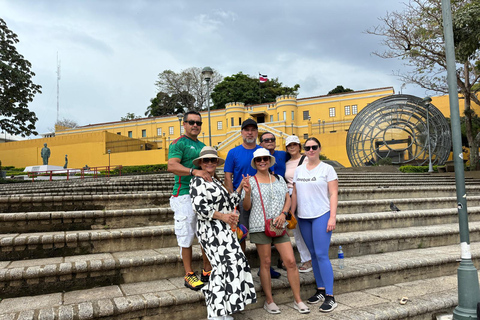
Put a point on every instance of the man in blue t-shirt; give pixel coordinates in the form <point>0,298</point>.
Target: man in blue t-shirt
<point>268,141</point>
<point>238,165</point>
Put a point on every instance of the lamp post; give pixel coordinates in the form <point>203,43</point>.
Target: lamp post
<point>180,117</point>
<point>467,274</point>
<point>427,101</point>
<point>319,122</point>
<point>323,126</point>
<point>108,162</point>
<point>207,73</point>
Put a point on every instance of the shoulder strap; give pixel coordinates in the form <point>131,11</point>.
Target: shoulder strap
<point>301,160</point>
<point>261,200</point>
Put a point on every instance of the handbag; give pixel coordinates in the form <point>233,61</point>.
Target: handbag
<point>271,230</point>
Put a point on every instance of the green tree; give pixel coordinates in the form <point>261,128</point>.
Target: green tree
<point>163,104</point>
<point>339,89</point>
<point>243,88</point>
<point>415,35</point>
<point>129,116</point>
<point>16,87</point>
<point>186,84</point>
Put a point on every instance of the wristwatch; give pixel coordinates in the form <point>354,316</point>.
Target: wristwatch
<point>191,171</point>
<point>285,213</point>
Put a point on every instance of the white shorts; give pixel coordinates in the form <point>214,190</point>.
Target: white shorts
<point>185,220</point>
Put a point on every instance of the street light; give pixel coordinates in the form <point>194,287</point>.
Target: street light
<point>319,121</point>
<point>108,162</point>
<point>467,274</point>
<point>180,117</point>
<point>427,101</point>
<point>207,73</point>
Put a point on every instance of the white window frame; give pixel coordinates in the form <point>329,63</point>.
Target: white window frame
<point>347,110</point>
<point>331,112</point>
<point>219,125</point>
<point>159,131</point>
<point>354,109</point>
<point>284,115</point>
<point>170,130</point>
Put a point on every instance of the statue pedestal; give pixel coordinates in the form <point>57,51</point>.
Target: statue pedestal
<point>42,168</point>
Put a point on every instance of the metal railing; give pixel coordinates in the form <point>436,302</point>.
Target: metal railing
<point>94,172</point>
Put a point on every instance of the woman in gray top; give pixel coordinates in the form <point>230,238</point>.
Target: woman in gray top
<point>276,201</point>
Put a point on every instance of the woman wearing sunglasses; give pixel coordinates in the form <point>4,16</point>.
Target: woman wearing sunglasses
<point>272,201</point>
<point>231,286</point>
<point>315,196</point>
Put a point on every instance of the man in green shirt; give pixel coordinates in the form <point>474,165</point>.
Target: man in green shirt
<point>181,153</point>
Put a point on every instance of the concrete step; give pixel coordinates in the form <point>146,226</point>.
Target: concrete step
<point>383,205</point>
<point>367,285</point>
<point>23,222</point>
<point>83,202</point>
<point>376,236</point>
<point>400,192</point>
<point>113,266</point>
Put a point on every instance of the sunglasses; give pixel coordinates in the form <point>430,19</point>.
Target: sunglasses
<point>269,140</point>
<point>208,160</point>
<point>307,148</point>
<point>264,159</point>
<point>191,122</point>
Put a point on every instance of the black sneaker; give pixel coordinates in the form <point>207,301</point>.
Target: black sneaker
<point>317,297</point>
<point>328,305</point>
<point>205,276</point>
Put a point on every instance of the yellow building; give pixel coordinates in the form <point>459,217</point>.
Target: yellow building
<point>146,140</point>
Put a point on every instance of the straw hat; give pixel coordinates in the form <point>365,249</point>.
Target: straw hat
<point>208,152</point>
<point>261,152</point>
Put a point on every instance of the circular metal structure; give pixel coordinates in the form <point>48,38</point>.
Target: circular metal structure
<point>395,127</point>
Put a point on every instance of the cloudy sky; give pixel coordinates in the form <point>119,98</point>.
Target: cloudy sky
<point>111,51</point>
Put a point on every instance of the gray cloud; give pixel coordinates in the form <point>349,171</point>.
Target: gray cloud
<point>111,51</point>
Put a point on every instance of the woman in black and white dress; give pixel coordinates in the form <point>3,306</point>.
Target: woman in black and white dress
<point>231,286</point>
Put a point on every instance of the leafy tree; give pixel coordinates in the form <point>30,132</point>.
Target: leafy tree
<point>189,81</point>
<point>416,36</point>
<point>64,123</point>
<point>130,116</point>
<point>243,88</point>
<point>339,89</point>
<point>163,104</point>
<point>16,87</point>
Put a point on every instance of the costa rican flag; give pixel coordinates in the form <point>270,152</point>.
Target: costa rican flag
<point>262,77</point>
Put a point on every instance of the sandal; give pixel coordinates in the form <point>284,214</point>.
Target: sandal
<point>305,267</point>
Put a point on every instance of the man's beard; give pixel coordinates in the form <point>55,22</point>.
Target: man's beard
<point>251,140</point>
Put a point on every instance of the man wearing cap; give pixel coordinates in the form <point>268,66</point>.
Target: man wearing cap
<point>268,141</point>
<point>238,165</point>
<point>181,153</point>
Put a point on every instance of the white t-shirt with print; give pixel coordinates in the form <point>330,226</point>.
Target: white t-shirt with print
<point>312,190</point>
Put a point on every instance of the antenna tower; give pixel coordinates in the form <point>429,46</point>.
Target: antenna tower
<point>58,87</point>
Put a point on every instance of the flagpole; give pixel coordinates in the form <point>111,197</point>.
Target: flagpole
<point>259,89</point>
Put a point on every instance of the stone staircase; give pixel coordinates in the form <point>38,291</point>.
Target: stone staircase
<point>106,248</point>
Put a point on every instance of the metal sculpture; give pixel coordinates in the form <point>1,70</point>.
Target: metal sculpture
<point>395,127</point>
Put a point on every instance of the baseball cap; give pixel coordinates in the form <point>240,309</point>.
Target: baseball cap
<point>249,122</point>
<point>291,139</point>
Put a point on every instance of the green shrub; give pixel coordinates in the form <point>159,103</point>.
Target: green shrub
<point>384,162</point>
<point>416,169</point>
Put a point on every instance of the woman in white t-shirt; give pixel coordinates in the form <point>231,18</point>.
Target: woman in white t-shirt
<point>294,148</point>
<point>315,196</point>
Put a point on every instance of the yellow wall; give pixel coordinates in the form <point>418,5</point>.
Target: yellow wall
<point>89,144</point>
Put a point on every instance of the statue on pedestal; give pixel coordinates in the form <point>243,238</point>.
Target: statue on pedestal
<point>45,153</point>
<point>66,162</point>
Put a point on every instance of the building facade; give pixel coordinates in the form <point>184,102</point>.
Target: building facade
<point>146,140</point>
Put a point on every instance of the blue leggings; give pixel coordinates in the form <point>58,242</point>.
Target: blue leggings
<point>317,239</point>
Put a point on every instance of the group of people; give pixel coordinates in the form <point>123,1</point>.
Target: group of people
<point>262,185</point>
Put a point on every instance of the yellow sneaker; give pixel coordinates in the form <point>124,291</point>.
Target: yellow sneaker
<point>192,281</point>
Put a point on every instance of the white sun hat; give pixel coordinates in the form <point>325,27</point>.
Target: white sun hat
<point>262,152</point>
